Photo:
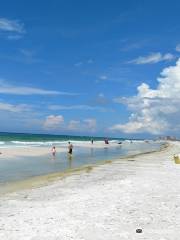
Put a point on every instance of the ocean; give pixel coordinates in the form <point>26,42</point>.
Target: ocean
<point>23,139</point>
<point>26,167</point>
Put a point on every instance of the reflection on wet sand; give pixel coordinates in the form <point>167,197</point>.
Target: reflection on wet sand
<point>106,152</point>
<point>53,158</point>
<point>91,152</point>
<point>69,159</point>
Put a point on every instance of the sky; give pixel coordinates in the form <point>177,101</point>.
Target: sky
<point>102,68</point>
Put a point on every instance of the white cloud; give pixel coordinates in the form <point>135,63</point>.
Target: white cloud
<point>25,91</point>
<point>76,107</point>
<point>155,111</point>
<point>153,58</point>
<point>86,125</point>
<point>178,48</point>
<point>53,122</point>
<point>22,90</point>
<point>13,108</point>
<point>57,123</point>
<point>11,25</point>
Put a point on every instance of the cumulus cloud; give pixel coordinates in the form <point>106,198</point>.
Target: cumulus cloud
<point>53,122</point>
<point>152,58</point>
<point>86,125</point>
<point>155,111</point>
<point>57,122</point>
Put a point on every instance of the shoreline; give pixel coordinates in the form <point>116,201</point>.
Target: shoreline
<point>14,152</point>
<point>44,180</point>
<point>20,151</point>
<point>110,202</point>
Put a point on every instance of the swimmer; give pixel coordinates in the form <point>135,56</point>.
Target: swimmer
<point>53,150</point>
<point>70,148</point>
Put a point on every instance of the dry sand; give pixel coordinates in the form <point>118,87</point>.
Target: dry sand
<point>108,203</point>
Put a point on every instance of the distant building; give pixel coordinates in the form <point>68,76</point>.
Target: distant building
<point>169,138</point>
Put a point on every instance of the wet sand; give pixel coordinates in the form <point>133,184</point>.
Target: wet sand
<point>107,202</point>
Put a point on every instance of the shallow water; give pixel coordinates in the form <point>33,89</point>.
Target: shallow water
<point>22,168</point>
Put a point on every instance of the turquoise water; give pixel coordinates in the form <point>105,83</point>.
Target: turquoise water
<point>22,168</point>
<point>22,139</point>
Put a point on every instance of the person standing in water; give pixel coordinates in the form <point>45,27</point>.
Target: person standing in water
<point>53,150</point>
<point>106,141</point>
<point>70,148</point>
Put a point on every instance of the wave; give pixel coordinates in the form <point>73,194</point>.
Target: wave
<point>46,143</point>
<point>115,141</point>
<point>63,143</point>
<point>37,143</point>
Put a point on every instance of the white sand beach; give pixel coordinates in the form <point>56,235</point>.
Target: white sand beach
<point>107,203</point>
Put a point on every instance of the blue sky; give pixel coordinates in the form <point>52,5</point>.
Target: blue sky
<point>90,67</point>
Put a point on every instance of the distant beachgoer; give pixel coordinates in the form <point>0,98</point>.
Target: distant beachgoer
<point>92,141</point>
<point>53,150</point>
<point>70,148</point>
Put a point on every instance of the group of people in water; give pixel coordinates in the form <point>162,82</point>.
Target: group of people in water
<point>70,149</point>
